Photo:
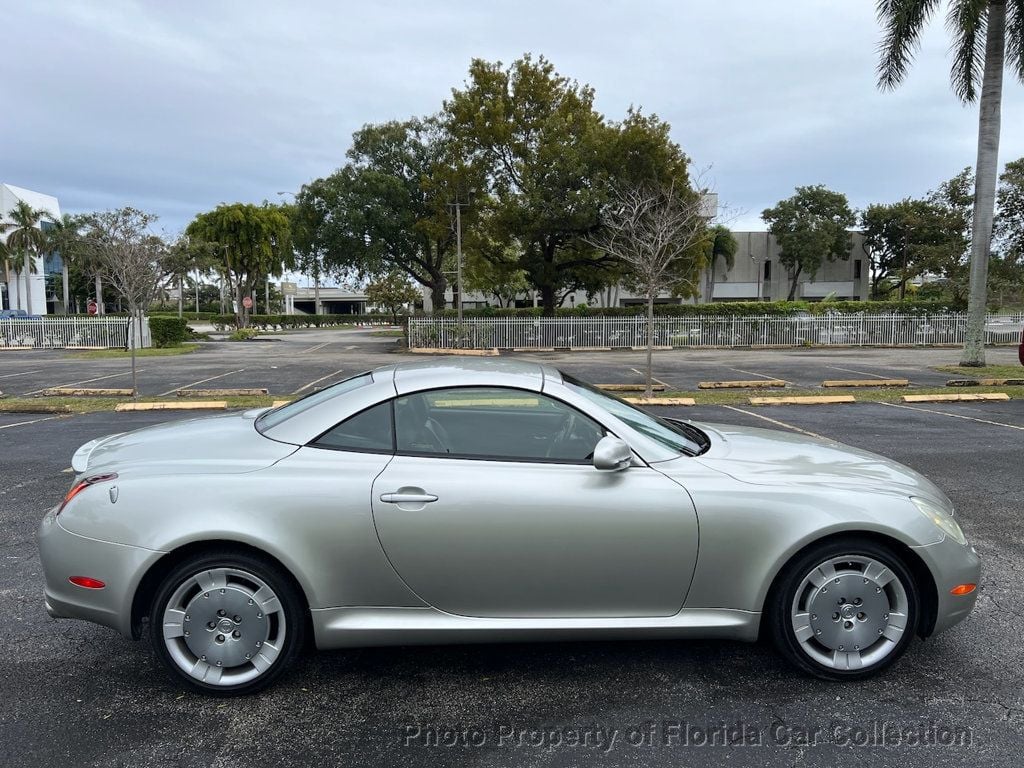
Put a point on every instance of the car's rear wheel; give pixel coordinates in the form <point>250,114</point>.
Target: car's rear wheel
<point>227,623</point>
<point>845,609</point>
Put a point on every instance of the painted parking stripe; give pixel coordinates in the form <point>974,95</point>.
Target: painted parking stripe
<point>315,381</point>
<point>752,373</point>
<point>201,381</point>
<point>776,422</point>
<point>85,381</point>
<point>24,423</point>
<point>955,416</point>
<point>12,375</point>
<point>658,381</point>
<point>862,373</point>
<point>314,349</point>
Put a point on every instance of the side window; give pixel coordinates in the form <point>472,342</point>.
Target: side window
<point>370,431</point>
<point>493,423</point>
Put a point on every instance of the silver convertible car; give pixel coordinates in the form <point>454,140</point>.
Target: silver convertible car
<point>463,500</point>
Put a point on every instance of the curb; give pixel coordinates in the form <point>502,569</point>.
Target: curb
<point>755,384</point>
<point>866,383</point>
<point>237,392</point>
<point>661,400</point>
<point>630,387</point>
<point>966,398</point>
<point>985,383</point>
<point>437,351</point>
<point>85,392</point>
<point>209,405</point>
<point>811,400</point>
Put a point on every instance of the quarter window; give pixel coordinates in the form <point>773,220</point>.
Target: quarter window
<point>493,423</point>
<point>369,431</point>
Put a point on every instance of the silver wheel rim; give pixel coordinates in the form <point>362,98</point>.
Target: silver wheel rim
<point>850,612</point>
<point>224,626</point>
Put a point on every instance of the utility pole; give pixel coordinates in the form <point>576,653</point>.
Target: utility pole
<point>458,255</point>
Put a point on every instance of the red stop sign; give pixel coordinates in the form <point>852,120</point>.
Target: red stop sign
<point>91,308</point>
<point>247,302</point>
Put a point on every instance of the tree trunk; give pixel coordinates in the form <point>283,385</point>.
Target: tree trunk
<point>131,346</point>
<point>181,296</point>
<point>98,284</point>
<point>649,390</point>
<point>548,300</point>
<point>711,281</point>
<point>437,295</point>
<point>985,183</point>
<point>794,281</point>
<point>28,279</point>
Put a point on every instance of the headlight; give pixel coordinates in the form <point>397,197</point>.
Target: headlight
<point>941,518</point>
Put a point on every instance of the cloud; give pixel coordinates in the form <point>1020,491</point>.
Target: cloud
<point>174,107</point>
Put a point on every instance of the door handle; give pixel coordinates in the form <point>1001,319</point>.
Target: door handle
<point>408,498</point>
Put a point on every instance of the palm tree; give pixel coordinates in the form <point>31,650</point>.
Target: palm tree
<point>26,236</point>
<point>985,33</point>
<point>720,245</point>
<point>65,237</point>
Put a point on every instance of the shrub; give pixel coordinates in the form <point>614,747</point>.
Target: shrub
<point>168,331</point>
<point>244,334</point>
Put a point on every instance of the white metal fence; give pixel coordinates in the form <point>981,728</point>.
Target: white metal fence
<point>528,333</point>
<point>70,332</point>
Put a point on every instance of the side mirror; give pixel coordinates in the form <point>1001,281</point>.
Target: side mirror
<point>612,454</point>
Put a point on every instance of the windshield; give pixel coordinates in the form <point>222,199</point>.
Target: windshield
<point>681,438</point>
<point>272,418</point>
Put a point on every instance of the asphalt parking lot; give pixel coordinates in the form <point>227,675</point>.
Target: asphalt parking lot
<point>295,363</point>
<point>76,694</point>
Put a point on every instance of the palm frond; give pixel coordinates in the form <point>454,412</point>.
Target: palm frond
<point>902,22</point>
<point>967,22</point>
<point>1015,37</point>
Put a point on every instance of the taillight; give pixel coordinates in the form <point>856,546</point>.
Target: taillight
<point>84,483</point>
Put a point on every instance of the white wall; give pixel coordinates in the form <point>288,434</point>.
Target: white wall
<point>9,197</point>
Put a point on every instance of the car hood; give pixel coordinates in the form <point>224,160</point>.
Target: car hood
<point>772,457</point>
<point>217,444</point>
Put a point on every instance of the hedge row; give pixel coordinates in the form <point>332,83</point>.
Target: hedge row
<point>168,331</point>
<point>279,322</point>
<point>728,309</point>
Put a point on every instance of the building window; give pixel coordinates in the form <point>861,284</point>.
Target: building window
<point>858,265</point>
<point>767,271</point>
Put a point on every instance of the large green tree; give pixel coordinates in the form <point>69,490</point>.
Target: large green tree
<point>811,228</point>
<point>986,34</point>
<point>903,239</point>
<point>391,206</point>
<point>252,241</point>
<point>1009,224</point>
<point>550,161</point>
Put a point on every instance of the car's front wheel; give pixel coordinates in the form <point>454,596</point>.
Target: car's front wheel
<point>227,623</point>
<point>845,609</point>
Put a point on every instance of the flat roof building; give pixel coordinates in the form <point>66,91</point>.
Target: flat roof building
<point>19,290</point>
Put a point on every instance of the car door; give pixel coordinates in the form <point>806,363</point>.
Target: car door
<point>492,508</point>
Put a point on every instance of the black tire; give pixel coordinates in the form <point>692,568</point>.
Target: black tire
<point>779,606</point>
<point>291,619</point>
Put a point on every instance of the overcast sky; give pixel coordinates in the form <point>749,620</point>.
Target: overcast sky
<point>176,106</point>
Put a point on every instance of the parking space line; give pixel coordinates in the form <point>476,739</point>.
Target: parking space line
<point>861,373</point>
<point>201,381</point>
<point>776,421</point>
<point>751,373</point>
<point>955,416</point>
<point>316,381</point>
<point>314,349</point>
<point>34,421</point>
<point>85,381</point>
<point>12,375</point>
<point>657,381</point>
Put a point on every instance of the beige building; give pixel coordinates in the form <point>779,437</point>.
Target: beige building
<point>756,275</point>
